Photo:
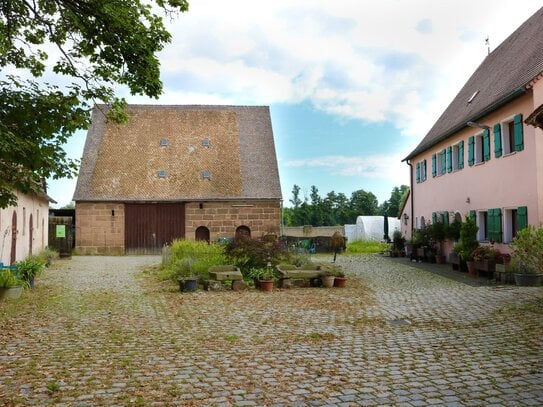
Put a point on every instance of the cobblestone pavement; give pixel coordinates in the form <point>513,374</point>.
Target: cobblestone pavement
<point>97,331</point>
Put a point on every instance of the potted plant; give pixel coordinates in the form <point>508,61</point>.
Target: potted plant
<point>468,244</point>
<point>10,285</point>
<point>504,271</point>
<point>398,242</point>
<point>485,258</point>
<point>266,278</point>
<point>340,280</point>
<point>328,275</point>
<point>527,257</point>
<point>30,268</point>
<point>437,234</point>
<point>187,280</point>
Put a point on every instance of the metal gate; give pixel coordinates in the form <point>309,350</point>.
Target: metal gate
<point>148,227</point>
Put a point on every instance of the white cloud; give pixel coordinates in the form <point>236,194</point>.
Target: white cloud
<point>377,166</point>
<point>387,60</point>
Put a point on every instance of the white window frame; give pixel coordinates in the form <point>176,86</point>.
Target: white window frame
<point>479,155</point>
<point>455,156</point>
<point>509,214</point>
<point>441,158</point>
<point>507,148</point>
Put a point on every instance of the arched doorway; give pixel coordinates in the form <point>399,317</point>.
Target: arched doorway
<point>13,255</point>
<point>243,231</point>
<point>30,235</point>
<point>202,234</point>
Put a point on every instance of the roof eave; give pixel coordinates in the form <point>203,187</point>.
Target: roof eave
<point>486,111</point>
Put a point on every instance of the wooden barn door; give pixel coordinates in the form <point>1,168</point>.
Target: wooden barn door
<point>13,254</point>
<point>148,227</point>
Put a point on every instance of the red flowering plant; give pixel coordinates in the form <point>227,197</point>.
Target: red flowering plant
<point>485,253</point>
<point>528,250</point>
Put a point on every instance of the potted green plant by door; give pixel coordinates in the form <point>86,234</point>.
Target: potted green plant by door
<point>30,268</point>
<point>10,285</point>
<point>468,244</point>
<point>438,234</point>
<point>266,278</point>
<point>527,257</point>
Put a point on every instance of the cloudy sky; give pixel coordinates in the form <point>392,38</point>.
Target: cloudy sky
<point>352,85</point>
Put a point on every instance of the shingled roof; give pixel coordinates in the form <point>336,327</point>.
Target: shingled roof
<point>504,75</point>
<point>180,153</point>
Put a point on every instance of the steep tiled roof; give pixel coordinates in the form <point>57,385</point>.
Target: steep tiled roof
<point>232,144</point>
<point>501,77</point>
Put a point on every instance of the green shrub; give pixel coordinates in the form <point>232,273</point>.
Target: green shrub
<point>47,255</point>
<point>30,267</point>
<point>8,280</point>
<point>192,257</point>
<point>367,246</point>
<point>247,253</point>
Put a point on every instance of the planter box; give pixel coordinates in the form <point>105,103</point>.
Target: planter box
<point>488,266</point>
<point>455,261</point>
<point>504,274</point>
<point>528,280</point>
<point>13,292</point>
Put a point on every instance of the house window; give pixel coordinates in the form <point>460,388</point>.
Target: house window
<point>479,149</point>
<point>508,137</point>
<point>164,142</point>
<point>421,174</point>
<point>457,156</point>
<point>205,143</point>
<point>162,174</point>
<point>482,223</point>
<point>206,175</point>
<point>442,162</point>
<point>511,225</point>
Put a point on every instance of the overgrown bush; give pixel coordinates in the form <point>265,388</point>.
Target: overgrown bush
<point>47,255</point>
<point>247,253</point>
<point>188,257</point>
<point>8,280</point>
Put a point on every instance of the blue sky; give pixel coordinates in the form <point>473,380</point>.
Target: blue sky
<point>352,85</point>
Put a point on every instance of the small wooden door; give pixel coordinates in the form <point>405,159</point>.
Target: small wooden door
<point>13,256</point>
<point>202,233</point>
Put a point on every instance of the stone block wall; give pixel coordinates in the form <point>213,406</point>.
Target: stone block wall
<point>98,229</point>
<point>224,217</point>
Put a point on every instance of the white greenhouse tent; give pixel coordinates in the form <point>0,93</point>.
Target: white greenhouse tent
<point>371,228</point>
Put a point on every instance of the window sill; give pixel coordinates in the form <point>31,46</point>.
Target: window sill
<point>509,154</point>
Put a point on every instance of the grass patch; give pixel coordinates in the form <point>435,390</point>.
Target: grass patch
<point>366,246</point>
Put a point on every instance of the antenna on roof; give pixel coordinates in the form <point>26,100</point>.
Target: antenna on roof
<point>487,43</point>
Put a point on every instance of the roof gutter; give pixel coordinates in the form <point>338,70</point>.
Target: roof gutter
<point>489,109</point>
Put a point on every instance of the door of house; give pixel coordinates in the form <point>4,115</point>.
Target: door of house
<point>202,233</point>
<point>13,255</point>
<point>30,235</point>
<point>148,227</point>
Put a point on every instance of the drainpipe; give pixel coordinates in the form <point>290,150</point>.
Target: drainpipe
<point>411,193</point>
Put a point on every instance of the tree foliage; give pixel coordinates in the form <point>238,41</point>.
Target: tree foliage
<point>332,210</point>
<point>97,45</point>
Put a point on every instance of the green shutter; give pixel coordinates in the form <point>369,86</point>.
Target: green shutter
<point>449,159</point>
<point>495,225</point>
<point>443,161</point>
<point>473,216</point>
<point>446,217</point>
<point>471,150</point>
<point>461,155</point>
<point>418,173</point>
<point>486,145</point>
<point>522,217</point>
<point>434,165</point>
<point>519,135</point>
<point>434,217</point>
<point>497,140</point>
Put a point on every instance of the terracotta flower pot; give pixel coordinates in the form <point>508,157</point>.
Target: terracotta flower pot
<point>340,282</point>
<point>265,285</point>
<point>472,269</point>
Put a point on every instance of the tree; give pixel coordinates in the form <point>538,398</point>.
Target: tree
<point>363,204</point>
<point>296,201</point>
<point>393,205</point>
<point>100,44</point>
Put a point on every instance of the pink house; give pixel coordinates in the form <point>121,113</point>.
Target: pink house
<point>483,157</point>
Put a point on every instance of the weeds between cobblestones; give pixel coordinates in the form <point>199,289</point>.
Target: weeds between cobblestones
<point>100,331</point>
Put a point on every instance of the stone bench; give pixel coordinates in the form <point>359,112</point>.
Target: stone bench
<point>218,274</point>
<point>308,275</point>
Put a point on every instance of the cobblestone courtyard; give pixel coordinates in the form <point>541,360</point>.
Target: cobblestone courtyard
<point>99,331</point>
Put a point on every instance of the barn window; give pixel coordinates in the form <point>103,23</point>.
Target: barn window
<point>162,174</point>
<point>164,142</point>
<point>206,175</point>
<point>205,143</point>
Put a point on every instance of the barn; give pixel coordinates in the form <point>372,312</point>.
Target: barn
<point>183,171</point>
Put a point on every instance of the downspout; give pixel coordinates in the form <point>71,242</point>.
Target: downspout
<point>411,193</point>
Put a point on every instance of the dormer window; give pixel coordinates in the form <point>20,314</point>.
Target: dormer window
<point>162,174</point>
<point>205,143</point>
<point>164,142</point>
<point>206,175</point>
